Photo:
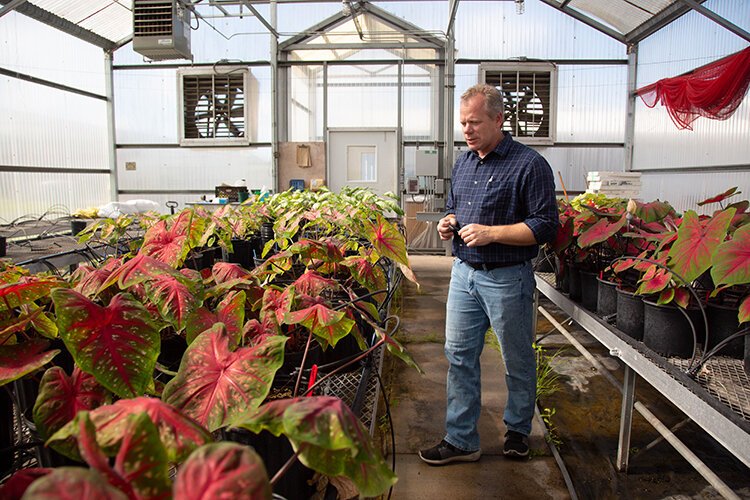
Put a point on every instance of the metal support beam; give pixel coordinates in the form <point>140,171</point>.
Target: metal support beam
<point>657,22</point>
<point>586,20</point>
<point>721,21</point>
<point>452,9</point>
<point>630,106</point>
<point>111,130</point>
<point>626,419</point>
<point>269,26</point>
<point>274,94</point>
<point>10,7</point>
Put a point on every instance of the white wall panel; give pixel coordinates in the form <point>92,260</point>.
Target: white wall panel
<point>26,193</point>
<point>45,127</point>
<point>193,168</point>
<point>574,163</point>
<point>690,42</point>
<point>33,48</point>
<point>683,190</point>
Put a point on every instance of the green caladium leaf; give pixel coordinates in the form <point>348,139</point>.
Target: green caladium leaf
<point>223,470</point>
<point>61,397</point>
<point>690,255</point>
<point>26,290</point>
<point>601,231</point>
<point>653,211</point>
<point>215,385</point>
<point>327,325</point>
<point>387,240</point>
<point>731,261</point>
<point>328,438</point>
<point>18,360</point>
<point>719,197</point>
<point>74,483</point>
<point>40,320</point>
<point>117,344</point>
<point>744,312</point>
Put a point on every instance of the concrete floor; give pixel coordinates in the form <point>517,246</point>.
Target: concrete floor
<point>418,410</point>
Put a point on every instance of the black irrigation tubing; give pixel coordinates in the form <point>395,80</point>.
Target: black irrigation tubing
<point>390,426</point>
<point>718,347</point>
<point>689,370</point>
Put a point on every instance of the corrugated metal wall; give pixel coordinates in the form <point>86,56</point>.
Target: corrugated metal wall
<point>45,131</point>
<point>690,42</point>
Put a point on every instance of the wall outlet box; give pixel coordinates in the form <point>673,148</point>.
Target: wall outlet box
<point>439,186</point>
<point>412,185</point>
<point>129,165</point>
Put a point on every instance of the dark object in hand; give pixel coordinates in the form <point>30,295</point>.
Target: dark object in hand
<point>455,231</point>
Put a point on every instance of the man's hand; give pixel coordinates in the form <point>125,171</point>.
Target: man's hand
<point>445,227</point>
<point>477,235</point>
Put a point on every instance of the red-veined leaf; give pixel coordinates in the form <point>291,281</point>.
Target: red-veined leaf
<point>653,211</point>
<point>682,296</point>
<point>312,283</point>
<point>93,455</point>
<point>328,325</point>
<point>277,303</point>
<point>40,320</point>
<point>600,232</point>
<point>74,483</point>
<point>223,470</point>
<point>225,271</point>
<point>142,459</point>
<point>690,255</point>
<point>328,438</point>
<point>230,311</point>
<point>719,197</point>
<point>18,360</point>
<point>169,245</point>
<point>136,271</point>
<point>90,280</point>
<point>731,261</point>
<point>61,397</point>
<point>387,240</point>
<point>199,321</point>
<point>744,312</point>
<point>665,296</point>
<point>365,273</point>
<point>117,344</point>
<point>25,291</point>
<point>741,207</point>
<point>254,331</point>
<point>15,486</point>
<point>564,236</point>
<point>179,434</point>
<point>215,385</point>
<point>175,297</point>
<point>655,280</point>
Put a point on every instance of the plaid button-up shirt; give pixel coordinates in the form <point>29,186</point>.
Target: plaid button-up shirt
<point>513,183</point>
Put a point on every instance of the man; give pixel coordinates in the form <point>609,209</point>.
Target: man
<point>500,208</point>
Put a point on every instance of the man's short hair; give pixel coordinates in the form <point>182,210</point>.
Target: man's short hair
<point>493,99</point>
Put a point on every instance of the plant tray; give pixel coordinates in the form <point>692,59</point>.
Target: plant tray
<point>231,193</point>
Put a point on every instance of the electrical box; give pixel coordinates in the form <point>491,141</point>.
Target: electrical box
<point>412,185</point>
<point>427,162</point>
<point>439,186</point>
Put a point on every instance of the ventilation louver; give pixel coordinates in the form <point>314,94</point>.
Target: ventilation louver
<point>161,29</point>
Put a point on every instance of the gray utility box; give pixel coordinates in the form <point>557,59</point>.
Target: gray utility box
<point>161,29</point>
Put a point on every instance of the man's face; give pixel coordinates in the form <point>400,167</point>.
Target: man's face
<point>481,131</point>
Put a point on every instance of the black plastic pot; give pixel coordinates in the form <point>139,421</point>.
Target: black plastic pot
<point>76,226</point>
<point>242,253</point>
<point>3,246</point>
<point>562,282</point>
<point>589,290</point>
<point>666,330</point>
<point>606,303</point>
<point>723,322</point>
<point>574,283</point>
<point>630,314</point>
<point>746,361</point>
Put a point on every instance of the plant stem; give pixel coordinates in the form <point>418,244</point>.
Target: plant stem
<point>284,468</point>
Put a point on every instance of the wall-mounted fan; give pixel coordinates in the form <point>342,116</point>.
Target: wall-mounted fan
<point>214,106</point>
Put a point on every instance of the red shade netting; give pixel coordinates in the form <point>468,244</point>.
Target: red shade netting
<point>714,91</point>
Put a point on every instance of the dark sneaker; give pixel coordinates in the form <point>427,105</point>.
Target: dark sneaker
<point>516,445</point>
<point>445,453</point>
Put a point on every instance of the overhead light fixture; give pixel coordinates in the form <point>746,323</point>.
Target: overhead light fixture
<point>520,7</point>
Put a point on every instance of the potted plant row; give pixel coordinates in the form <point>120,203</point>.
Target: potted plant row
<point>165,363</point>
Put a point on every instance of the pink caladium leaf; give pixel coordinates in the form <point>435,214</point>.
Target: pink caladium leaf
<point>17,360</point>
<point>215,385</point>
<point>93,455</point>
<point>653,211</point>
<point>365,273</point>
<point>327,325</point>
<point>136,271</point>
<point>175,296</point>
<point>731,261</point>
<point>223,470</point>
<point>117,344</point>
<point>741,206</point>
<point>328,438</point>
<point>225,271</point>
<point>169,245</point>
<point>61,397</point>
<point>682,296</point>
<point>17,484</point>
<point>254,331</point>
<point>719,197</point>
<point>690,255</point>
<point>312,283</point>
<point>179,434</point>
<point>230,312</point>
<point>744,310</point>
<point>387,240</point>
<point>564,237</point>
<point>89,280</point>
<point>665,296</point>
<point>142,459</point>
<point>277,303</point>
<point>26,290</point>
<point>601,231</point>
<point>74,483</point>
<point>654,281</point>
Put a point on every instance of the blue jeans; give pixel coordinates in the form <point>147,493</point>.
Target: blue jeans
<point>504,299</point>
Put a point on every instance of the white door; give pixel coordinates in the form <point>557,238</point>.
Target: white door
<point>363,158</point>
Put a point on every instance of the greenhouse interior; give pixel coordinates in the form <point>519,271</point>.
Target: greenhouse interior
<point>356,205</point>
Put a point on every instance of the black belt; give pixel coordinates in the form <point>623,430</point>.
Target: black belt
<point>489,266</point>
